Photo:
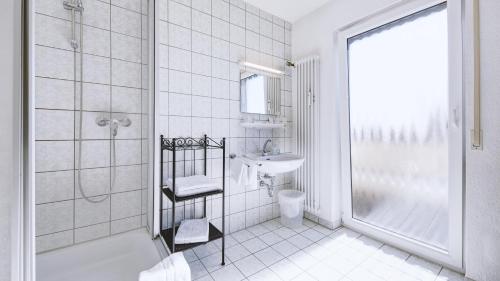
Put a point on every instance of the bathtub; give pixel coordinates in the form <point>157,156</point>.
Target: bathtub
<point>116,258</point>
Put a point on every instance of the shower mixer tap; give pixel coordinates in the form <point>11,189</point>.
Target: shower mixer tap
<point>113,123</point>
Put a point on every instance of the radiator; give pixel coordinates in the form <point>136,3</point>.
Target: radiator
<point>307,123</point>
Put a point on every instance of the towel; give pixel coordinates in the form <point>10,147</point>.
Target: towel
<point>172,268</point>
<point>239,171</point>
<point>192,231</point>
<point>252,177</point>
<point>185,186</point>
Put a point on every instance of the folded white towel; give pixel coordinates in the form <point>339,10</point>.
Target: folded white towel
<point>185,186</point>
<point>192,231</point>
<point>172,268</point>
<point>239,171</point>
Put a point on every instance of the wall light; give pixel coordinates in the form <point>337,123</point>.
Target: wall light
<point>261,67</point>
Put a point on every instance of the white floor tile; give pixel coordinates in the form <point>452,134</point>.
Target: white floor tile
<point>205,250</point>
<point>323,272</point>
<point>284,232</point>
<point>300,241</point>
<point>254,245</point>
<point>197,269</point>
<point>237,252</point>
<point>285,269</point>
<point>285,248</point>
<point>249,265</point>
<point>258,229</point>
<point>304,276</point>
<point>269,256</point>
<point>213,262</point>
<point>243,235</point>
<point>264,275</point>
<point>228,273</point>
<point>270,238</point>
<point>313,235</point>
<point>303,260</point>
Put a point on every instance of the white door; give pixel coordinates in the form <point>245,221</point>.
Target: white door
<point>402,131</point>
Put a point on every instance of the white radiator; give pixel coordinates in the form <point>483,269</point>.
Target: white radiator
<point>307,120</point>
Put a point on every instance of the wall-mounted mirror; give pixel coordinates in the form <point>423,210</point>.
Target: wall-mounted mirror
<point>260,93</point>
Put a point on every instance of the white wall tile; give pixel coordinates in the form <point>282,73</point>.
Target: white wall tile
<point>252,22</point>
<point>54,63</point>
<point>179,59</point>
<point>180,82</point>
<point>201,43</point>
<point>125,74</point>
<point>53,241</point>
<point>126,100</point>
<point>54,125</point>
<point>54,155</point>
<point>128,152</point>
<point>237,35</point>
<point>220,108</point>
<point>252,40</point>
<point>125,204</point>
<point>125,224</point>
<point>201,64</point>
<point>237,16</point>
<point>220,68</point>
<point>220,48</point>
<point>94,182</point>
<point>266,28</point>
<point>54,217</point>
<point>202,22</point>
<point>220,28</point>
<point>201,85</point>
<point>54,186</point>
<point>220,9</point>
<point>179,37</point>
<point>87,213</point>
<point>220,88</point>
<point>202,5</point>
<point>124,21</point>
<point>202,106</point>
<point>125,47</point>
<point>179,14</point>
<point>96,41</point>
<point>180,104</point>
<point>91,232</point>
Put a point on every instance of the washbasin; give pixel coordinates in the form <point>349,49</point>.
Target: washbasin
<point>278,163</point>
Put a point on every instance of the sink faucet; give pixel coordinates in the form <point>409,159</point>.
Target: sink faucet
<point>265,150</point>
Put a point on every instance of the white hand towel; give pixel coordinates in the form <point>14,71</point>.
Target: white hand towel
<point>172,268</point>
<point>182,270</point>
<point>192,231</point>
<point>252,177</point>
<point>239,171</point>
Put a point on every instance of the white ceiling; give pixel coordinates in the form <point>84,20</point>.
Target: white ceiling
<point>290,10</point>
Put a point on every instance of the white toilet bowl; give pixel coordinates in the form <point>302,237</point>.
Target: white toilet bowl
<point>291,207</point>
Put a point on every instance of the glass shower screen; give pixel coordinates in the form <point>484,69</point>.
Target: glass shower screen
<point>398,102</point>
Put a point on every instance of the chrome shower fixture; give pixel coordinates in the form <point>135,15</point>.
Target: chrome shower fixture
<point>113,123</point>
<point>74,6</point>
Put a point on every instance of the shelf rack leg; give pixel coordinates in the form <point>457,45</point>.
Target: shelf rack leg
<point>223,197</point>
<point>173,191</point>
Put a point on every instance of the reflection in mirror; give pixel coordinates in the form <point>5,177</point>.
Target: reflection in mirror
<point>259,93</point>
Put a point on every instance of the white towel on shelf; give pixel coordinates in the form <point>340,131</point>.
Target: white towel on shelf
<point>192,231</point>
<point>239,171</point>
<point>252,177</point>
<point>172,268</point>
<point>185,186</point>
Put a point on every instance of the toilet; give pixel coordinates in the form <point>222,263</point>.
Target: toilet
<point>291,207</point>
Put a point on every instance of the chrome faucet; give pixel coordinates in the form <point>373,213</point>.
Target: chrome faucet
<point>265,150</point>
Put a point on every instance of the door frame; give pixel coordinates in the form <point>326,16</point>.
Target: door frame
<point>453,257</point>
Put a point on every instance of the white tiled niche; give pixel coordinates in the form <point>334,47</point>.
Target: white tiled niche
<point>200,45</point>
<point>115,83</point>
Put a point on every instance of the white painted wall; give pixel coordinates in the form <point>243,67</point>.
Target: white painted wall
<point>8,131</point>
<point>482,195</point>
<point>314,34</point>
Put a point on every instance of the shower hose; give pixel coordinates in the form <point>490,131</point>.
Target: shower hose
<point>80,121</point>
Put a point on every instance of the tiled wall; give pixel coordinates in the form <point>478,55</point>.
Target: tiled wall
<point>200,44</point>
<point>115,82</point>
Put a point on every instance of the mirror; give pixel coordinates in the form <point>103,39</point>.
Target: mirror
<point>260,93</point>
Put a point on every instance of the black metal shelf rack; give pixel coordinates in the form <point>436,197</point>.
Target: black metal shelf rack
<point>175,145</point>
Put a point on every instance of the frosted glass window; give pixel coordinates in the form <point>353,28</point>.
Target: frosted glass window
<point>398,99</point>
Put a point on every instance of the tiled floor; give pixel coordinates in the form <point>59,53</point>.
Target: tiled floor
<point>270,251</point>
